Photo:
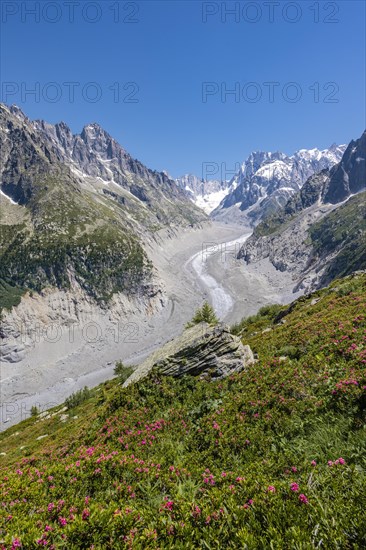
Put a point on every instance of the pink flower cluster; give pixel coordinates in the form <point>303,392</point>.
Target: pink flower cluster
<point>303,499</point>
<point>196,511</point>
<point>248,504</point>
<point>339,460</point>
<point>168,505</point>
<point>208,478</point>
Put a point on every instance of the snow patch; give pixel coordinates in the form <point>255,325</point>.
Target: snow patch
<point>290,189</point>
<point>209,202</point>
<point>9,198</point>
<point>275,169</point>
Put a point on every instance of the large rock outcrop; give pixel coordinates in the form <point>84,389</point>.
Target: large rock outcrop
<point>201,350</point>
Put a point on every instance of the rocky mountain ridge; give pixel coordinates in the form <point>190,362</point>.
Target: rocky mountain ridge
<point>75,206</point>
<point>76,219</point>
<point>320,232</point>
<point>96,159</point>
<point>266,181</point>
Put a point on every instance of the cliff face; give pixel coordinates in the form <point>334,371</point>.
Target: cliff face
<point>349,176</point>
<point>54,319</point>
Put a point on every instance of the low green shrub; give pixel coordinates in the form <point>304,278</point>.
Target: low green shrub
<point>78,397</point>
<point>122,371</point>
<point>205,314</point>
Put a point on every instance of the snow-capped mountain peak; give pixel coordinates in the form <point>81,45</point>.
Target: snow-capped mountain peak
<point>267,180</point>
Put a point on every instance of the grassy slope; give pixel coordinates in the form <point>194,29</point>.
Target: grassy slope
<point>195,464</point>
<point>343,231</point>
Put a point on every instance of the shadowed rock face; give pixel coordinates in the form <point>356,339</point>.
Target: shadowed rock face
<point>349,176</point>
<point>201,350</point>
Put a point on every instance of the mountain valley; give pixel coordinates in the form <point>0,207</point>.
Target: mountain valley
<point>99,254</point>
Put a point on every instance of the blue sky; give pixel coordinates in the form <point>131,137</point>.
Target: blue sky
<point>176,60</point>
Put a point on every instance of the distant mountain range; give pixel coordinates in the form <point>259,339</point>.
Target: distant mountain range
<point>75,208</point>
<point>267,180</point>
<point>264,183</point>
<point>320,233</point>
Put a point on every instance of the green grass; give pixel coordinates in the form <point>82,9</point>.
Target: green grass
<point>251,461</point>
<point>275,223</point>
<point>261,320</point>
<point>122,371</point>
